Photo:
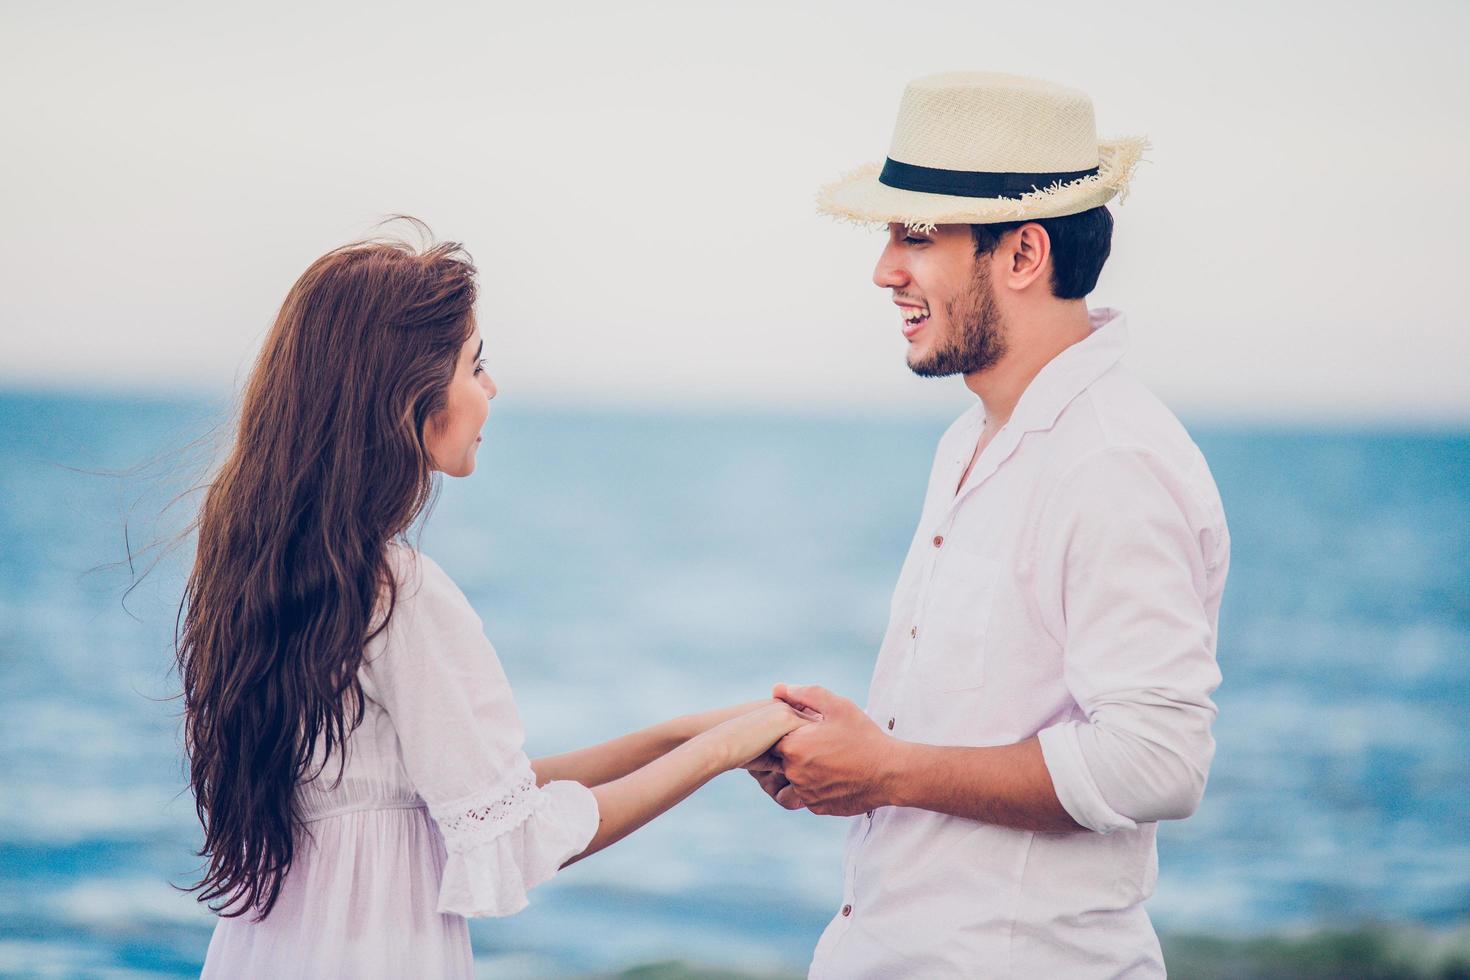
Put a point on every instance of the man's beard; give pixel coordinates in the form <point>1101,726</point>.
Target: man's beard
<point>978,334</point>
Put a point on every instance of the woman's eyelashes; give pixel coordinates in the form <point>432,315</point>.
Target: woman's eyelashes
<point>479,367</point>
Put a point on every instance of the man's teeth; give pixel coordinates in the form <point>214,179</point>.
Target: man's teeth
<point>914,316</point>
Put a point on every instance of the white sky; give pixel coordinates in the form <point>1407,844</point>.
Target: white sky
<point>635,181</point>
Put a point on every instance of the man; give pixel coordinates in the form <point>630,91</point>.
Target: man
<point>1042,696</point>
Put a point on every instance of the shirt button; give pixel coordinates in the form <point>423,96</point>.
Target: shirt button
<point>938,540</point>
<point>890,724</point>
<point>847,910</point>
<point>914,633</point>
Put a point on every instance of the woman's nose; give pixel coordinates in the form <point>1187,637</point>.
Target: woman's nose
<point>490,390</point>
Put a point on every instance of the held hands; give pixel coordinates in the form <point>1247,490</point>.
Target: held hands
<point>841,766</point>
<point>747,736</point>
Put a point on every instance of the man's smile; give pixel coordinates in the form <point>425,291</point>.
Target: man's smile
<point>914,318</point>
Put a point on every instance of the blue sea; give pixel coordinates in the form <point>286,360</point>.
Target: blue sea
<point>635,565</point>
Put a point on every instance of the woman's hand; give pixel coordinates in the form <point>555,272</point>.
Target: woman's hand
<point>616,758</point>
<point>750,735</point>
<point>689,726</point>
<point>627,803</point>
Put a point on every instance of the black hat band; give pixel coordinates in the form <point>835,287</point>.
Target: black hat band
<point>971,183</point>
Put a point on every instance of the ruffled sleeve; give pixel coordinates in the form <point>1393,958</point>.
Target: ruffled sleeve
<point>438,678</point>
<point>507,841</point>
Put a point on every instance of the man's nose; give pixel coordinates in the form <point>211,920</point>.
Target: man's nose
<point>890,273</point>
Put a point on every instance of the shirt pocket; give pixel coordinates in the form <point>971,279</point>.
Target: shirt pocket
<point>952,638</point>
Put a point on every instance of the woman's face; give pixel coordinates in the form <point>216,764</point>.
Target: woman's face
<point>453,435</point>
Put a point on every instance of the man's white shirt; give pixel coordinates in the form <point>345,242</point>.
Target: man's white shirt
<point>1070,589</point>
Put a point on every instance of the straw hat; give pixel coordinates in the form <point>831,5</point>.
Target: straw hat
<point>979,147</point>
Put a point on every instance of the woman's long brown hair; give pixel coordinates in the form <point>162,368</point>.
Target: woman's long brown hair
<point>328,467</point>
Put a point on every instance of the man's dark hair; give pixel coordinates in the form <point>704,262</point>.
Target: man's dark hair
<point>1080,244</point>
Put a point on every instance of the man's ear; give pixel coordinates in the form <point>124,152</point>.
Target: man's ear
<point>1027,251</point>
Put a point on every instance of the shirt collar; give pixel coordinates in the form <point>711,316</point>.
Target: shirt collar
<point>1069,373</point>
<point>1055,386</point>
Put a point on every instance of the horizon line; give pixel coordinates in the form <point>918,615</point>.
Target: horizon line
<point>896,410</point>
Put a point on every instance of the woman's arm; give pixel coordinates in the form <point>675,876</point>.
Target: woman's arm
<point>599,764</point>
<point>627,803</point>
<point>460,736</point>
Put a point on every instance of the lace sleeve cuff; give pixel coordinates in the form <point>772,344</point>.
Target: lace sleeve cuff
<point>505,842</point>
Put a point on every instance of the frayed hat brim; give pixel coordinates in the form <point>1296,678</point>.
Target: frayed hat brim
<point>860,198</point>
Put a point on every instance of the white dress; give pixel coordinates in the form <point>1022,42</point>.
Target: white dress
<point>437,815</point>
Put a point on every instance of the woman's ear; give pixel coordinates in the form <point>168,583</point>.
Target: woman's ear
<point>432,437</point>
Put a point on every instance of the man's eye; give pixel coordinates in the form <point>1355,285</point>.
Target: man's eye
<point>915,240</point>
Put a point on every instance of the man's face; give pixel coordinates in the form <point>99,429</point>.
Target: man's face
<point>945,298</point>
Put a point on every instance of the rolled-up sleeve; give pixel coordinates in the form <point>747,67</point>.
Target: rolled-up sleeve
<point>1137,556</point>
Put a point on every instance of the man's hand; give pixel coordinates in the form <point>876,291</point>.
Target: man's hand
<point>840,766</point>
<point>767,771</point>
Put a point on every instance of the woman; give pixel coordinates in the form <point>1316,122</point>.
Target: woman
<point>354,748</point>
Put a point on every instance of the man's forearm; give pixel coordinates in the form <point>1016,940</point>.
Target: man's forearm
<point>1008,785</point>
